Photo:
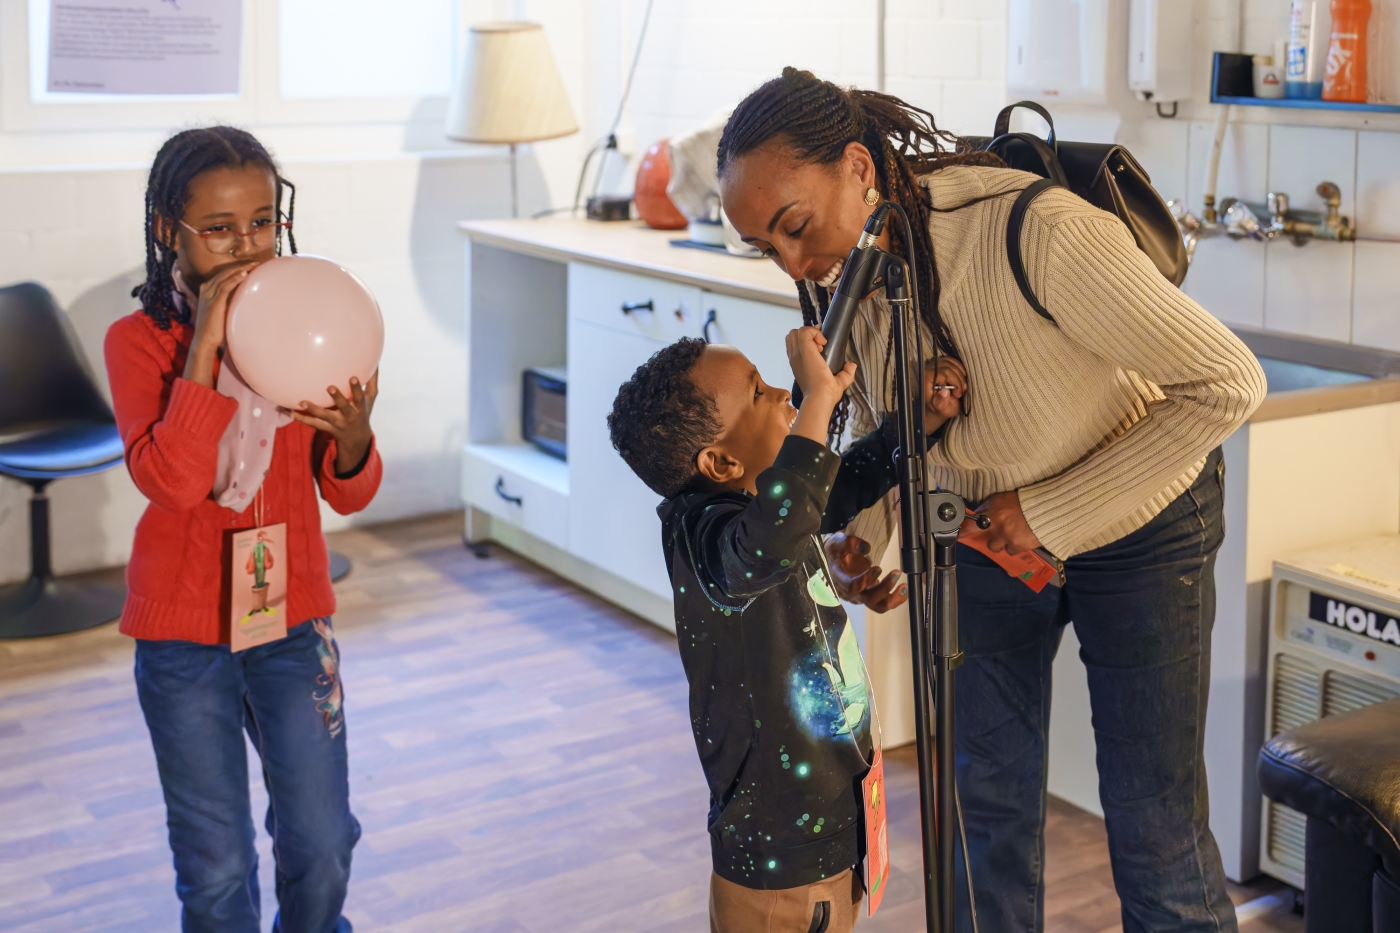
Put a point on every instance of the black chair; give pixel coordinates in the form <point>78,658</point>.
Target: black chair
<point>53,423</point>
<point>1343,774</point>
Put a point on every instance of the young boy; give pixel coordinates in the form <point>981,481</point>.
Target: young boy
<point>778,697</point>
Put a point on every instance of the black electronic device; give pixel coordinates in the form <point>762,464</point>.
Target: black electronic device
<point>543,409</point>
<point>609,207</point>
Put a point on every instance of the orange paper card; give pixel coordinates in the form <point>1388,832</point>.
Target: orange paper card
<point>1028,566</point>
<point>258,597</point>
<point>877,844</point>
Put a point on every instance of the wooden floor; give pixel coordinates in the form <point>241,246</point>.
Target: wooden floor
<point>520,759</point>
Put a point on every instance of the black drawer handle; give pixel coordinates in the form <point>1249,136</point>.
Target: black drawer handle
<point>711,318</point>
<point>501,491</point>
<point>648,305</point>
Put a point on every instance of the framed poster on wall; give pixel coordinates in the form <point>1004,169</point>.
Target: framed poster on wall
<point>145,47</point>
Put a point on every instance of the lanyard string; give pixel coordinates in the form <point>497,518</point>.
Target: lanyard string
<point>258,507</point>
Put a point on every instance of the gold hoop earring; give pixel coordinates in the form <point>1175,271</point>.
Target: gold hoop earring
<point>872,197</point>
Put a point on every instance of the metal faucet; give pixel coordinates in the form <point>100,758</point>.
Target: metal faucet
<point>1240,220</point>
<point>1277,218</point>
<point>1193,228</point>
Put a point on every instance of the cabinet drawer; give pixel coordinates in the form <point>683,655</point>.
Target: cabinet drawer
<point>633,304</point>
<point>759,330</point>
<point>521,485</point>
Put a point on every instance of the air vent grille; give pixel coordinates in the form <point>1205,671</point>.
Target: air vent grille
<point>1343,692</point>
<point>1297,693</point>
<point>1287,832</point>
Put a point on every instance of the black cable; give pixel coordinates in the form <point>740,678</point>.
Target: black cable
<point>609,142</point>
<point>967,863</point>
<point>1176,104</point>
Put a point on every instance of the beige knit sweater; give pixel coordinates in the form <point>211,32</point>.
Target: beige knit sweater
<point>1099,422</point>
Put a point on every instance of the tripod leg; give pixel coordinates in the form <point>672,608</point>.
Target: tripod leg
<point>923,695</point>
<point>945,594</point>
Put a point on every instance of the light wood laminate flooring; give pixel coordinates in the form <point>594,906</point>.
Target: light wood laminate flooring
<point>520,759</point>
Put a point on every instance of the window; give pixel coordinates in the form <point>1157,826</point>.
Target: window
<point>365,48</point>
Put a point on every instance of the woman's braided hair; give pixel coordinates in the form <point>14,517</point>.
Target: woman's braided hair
<point>185,155</point>
<point>816,120</point>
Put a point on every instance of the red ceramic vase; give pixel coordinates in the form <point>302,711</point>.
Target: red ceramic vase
<point>653,204</point>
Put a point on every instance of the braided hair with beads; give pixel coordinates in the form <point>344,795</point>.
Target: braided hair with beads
<point>185,155</point>
<point>815,120</point>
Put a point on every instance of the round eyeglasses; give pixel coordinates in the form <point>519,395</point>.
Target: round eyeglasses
<point>223,238</point>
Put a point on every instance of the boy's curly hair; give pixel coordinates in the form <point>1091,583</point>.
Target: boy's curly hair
<point>661,420</point>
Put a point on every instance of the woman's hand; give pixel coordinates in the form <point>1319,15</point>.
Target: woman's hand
<point>347,422</point>
<point>210,320</point>
<point>944,387</point>
<point>857,580</point>
<point>1010,532</point>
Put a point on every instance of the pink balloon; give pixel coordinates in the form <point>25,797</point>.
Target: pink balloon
<point>298,324</point>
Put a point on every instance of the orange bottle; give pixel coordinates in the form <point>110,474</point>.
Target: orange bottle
<point>1346,53</point>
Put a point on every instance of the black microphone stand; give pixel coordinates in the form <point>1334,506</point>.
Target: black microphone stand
<point>929,523</point>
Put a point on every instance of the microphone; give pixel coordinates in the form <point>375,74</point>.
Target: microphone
<point>859,277</point>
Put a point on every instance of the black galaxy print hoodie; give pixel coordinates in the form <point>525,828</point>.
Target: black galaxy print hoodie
<point>778,696</point>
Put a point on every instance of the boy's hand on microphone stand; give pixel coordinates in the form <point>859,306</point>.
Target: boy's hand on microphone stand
<point>821,388</point>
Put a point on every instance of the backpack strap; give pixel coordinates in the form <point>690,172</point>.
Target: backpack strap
<point>1013,242</point>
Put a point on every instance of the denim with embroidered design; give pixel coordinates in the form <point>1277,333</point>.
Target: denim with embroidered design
<point>1142,608</point>
<point>199,700</point>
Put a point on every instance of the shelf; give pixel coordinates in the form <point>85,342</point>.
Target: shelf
<point>1232,82</point>
<point>528,461</point>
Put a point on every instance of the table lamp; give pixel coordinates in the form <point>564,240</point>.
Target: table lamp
<point>509,92</point>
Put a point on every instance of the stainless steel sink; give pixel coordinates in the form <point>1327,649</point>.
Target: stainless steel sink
<point>1298,363</point>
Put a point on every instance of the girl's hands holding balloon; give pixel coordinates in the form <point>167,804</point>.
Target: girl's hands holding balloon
<point>210,320</point>
<point>347,422</point>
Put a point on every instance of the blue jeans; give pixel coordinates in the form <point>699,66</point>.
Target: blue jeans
<point>198,701</point>
<point>1143,608</point>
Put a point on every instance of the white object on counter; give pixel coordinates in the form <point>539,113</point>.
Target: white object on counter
<point>1268,78</point>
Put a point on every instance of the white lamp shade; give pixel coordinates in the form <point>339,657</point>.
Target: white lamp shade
<point>509,89</point>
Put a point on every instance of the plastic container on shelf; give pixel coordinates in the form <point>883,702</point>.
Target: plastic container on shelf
<point>1345,78</point>
<point>1309,31</point>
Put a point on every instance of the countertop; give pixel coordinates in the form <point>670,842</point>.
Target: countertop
<point>634,247</point>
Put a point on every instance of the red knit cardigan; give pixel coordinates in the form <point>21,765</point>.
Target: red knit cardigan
<point>177,581</point>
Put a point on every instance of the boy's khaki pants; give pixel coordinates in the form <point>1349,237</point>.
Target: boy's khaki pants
<point>829,906</point>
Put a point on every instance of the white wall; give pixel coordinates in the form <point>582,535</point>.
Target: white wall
<point>378,187</point>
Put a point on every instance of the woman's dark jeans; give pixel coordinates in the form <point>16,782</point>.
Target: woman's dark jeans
<point>1142,608</point>
<point>199,700</point>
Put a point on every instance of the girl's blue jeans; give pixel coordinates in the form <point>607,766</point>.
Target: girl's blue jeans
<point>198,701</point>
<point>1142,608</point>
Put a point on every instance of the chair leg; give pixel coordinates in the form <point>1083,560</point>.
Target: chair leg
<point>40,551</point>
<point>44,605</point>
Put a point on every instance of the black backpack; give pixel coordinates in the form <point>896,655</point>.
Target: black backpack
<point>1104,174</point>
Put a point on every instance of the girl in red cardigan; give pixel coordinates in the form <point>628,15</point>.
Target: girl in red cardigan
<point>213,213</point>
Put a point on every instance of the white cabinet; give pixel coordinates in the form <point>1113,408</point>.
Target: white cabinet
<point>519,484</point>
<point>590,518</point>
<point>612,514</point>
<point>759,330</point>
<point>633,304</point>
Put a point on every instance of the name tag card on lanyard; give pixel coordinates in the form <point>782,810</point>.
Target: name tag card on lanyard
<point>258,583</point>
<point>876,866</point>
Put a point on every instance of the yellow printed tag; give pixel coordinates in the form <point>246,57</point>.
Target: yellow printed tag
<point>258,587</point>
